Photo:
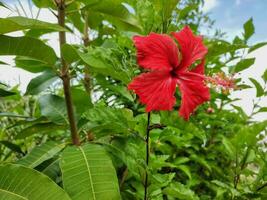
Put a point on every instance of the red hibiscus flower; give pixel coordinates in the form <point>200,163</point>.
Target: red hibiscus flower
<point>169,66</point>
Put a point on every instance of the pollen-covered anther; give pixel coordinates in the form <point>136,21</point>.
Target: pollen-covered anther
<point>222,82</point>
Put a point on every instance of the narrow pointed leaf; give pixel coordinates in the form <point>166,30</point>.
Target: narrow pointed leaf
<point>259,88</point>
<point>40,154</point>
<point>40,83</point>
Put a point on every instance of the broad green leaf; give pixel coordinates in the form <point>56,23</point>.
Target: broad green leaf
<point>70,53</point>
<point>41,82</point>
<point>6,93</point>
<point>26,46</point>
<point>257,46</point>
<point>249,29</point>
<point>31,65</point>
<point>114,12</point>
<point>103,120</point>
<point>21,183</point>
<point>88,173</point>
<point>41,129</point>
<point>259,88</point>
<point>51,169</point>
<point>11,24</point>
<point>81,100</point>
<point>244,64</point>
<point>12,146</point>
<point>40,154</point>
<point>54,108</point>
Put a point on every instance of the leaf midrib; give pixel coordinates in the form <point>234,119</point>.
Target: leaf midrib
<point>89,172</point>
<point>14,194</point>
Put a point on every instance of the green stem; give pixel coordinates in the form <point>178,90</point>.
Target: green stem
<point>147,154</point>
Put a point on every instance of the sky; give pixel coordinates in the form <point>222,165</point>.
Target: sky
<point>230,15</point>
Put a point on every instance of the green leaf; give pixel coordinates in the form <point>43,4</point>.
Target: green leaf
<point>8,114</point>
<point>12,146</point>
<point>44,4</point>
<point>114,12</point>
<point>257,46</point>
<point>263,109</point>
<point>249,29</point>
<point>40,154</point>
<point>89,166</point>
<point>243,64</point>
<point>21,183</point>
<point>264,76</point>
<point>259,88</point>
<point>4,5</point>
<point>180,191</point>
<point>51,169</point>
<point>54,108</point>
<point>105,120</point>
<point>6,93</point>
<point>102,64</point>
<point>26,46</point>
<point>41,82</point>
<point>69,53</point>
<point>3,63</point>
<point>185,169</point>
<point>40,128</point>
<point>12,24</point>
<point>81,100</point>
<point>165,8</point>
<point>31,65</point>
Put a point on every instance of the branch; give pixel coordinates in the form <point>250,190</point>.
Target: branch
<point>65,76</point>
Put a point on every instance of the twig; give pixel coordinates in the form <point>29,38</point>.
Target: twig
<point>65,76</point>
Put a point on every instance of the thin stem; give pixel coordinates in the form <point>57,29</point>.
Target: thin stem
<point>147,154</point>
<point>65,76</point>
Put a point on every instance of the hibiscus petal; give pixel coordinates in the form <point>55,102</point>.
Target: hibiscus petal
<point>194,93</point>
<point>192,47</point>
<point>156,52</point>
<point>155,89</point>
<point>200,68</point>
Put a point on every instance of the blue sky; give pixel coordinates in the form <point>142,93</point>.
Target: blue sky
<point>231,14</point>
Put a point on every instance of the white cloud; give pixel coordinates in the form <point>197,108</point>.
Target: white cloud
<point>209,5</point>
